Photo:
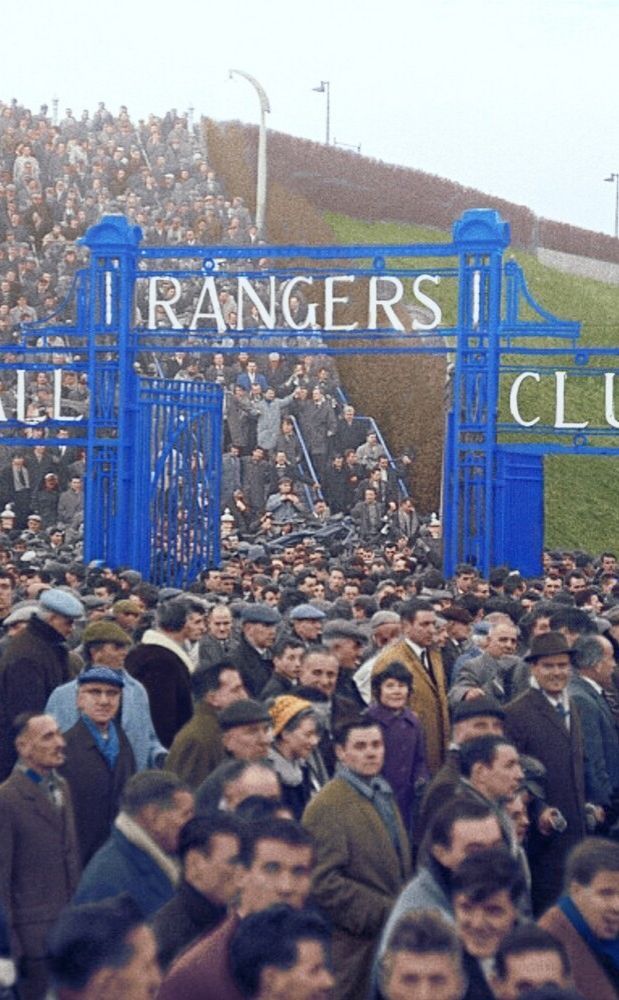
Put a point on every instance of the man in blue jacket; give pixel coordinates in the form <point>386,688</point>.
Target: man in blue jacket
<point>105,644</point>
<point>140,855</point>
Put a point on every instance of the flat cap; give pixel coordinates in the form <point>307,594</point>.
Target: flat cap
<point>384,618</point>
<point>101,675</point>
<point>473,707</point>
<point>91,602</point>
<point>260,614</point>
<point>21,612</point>
<point>243,713</point>
<point>339,628</point>
<point>60,602</point>
<point>106,631</point>
<point>304,612</point>
<point>127,606</point>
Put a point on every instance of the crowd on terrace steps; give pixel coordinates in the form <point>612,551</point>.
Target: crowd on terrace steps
<point>324,770</point>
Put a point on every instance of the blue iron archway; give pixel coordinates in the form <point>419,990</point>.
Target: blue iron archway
<point>154,444</point>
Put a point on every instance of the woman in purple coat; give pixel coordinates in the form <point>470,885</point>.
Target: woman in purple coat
<point>405,765</point>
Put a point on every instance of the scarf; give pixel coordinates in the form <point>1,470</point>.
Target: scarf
<point>606,952</point>
<point>138,836</point>
<point>108,748</point>
<point>153,637</point>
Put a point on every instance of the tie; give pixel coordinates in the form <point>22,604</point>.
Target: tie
<point>54,793</point>
<point>427,666</point>
<point>562,713</point>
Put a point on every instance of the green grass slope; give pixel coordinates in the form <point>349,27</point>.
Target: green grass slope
<point>581,493</point>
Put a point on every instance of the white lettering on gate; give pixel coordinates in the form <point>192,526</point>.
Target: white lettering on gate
<point>426,301</point>
<point>560,422</point>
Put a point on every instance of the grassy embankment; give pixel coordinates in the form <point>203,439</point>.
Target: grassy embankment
<point>581,493</point>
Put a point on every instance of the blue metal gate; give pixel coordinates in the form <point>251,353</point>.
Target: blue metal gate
<point>177,472</point>
<point>152,491</point>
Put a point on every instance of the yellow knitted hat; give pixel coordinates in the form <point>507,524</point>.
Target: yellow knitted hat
<point>284,709</point>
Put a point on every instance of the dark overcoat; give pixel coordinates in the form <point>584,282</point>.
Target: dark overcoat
<point>538,730</point>
<point>34,663</point>
<point>601,742</point>
<point>167,682</point>
<point>95,789</point>
<point>39,861</point>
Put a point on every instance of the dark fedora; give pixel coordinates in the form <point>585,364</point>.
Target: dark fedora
<point>548,644</point>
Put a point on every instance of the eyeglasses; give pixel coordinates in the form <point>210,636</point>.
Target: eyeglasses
<point>94,692</point>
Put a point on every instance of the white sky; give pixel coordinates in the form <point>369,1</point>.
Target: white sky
<point>515,97</point>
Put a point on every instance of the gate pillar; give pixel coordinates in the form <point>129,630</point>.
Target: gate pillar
<point>113,384</point>
<point>480,238</point>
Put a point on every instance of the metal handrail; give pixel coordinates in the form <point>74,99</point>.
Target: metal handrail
<point>310,467</point>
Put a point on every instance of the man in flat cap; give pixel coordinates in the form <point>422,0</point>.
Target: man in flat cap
<point>459,622</point>
<point>252,657</point>
<point>306,622</point>
<point>34,663</point>
<point>246,735</point>
<point>345,640</point>
<point>104,643</point>
<point>98,758</point>
<point>544,723</point>
<point>385,627</point>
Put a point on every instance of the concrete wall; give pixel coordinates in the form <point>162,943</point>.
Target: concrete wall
<point>583,267</point>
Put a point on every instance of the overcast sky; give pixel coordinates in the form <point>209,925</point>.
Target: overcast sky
<point>515,97</point>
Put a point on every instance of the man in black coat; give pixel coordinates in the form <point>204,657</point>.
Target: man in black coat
<point>34,663</point>
<point>252,656</point>
<point>161,663</point>
<point>98,758</point>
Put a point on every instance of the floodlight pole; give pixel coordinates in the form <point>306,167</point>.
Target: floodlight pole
<point>325,88</point>
<point>261,183</point>
<point>614,179</point>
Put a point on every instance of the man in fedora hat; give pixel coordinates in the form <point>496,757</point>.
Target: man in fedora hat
<point>544,723</point>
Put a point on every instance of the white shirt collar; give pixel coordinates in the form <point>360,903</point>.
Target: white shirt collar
<point>563,698</point>
<point>594,684</point>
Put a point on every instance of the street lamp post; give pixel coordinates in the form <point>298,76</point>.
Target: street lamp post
<point>261,183</point>
<point>614,179</point>
<point>325,88</point>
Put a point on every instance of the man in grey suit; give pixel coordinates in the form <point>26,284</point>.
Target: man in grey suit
<point>593,661</point>
<point>497,672</point>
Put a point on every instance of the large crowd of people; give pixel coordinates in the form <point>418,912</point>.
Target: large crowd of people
<point>324,770</point>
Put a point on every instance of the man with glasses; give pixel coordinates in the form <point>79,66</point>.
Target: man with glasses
<point>98,757</point>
